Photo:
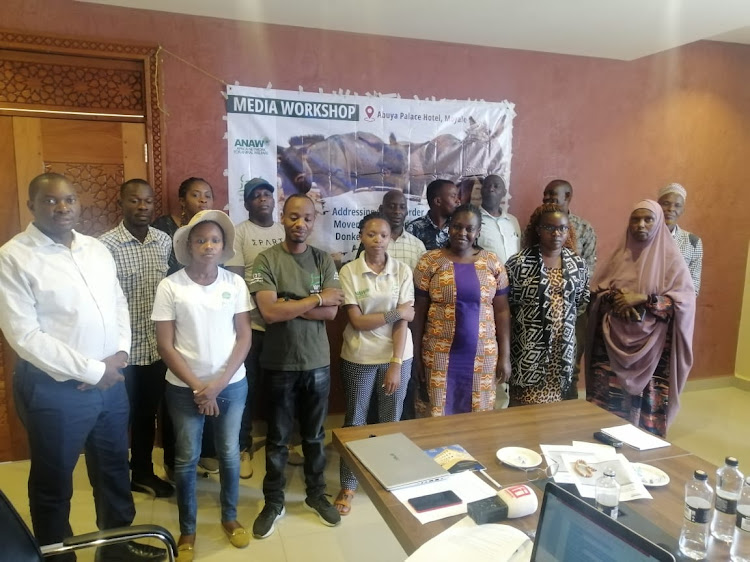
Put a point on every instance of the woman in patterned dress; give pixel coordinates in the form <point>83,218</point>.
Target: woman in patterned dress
<point>639,345</point>
<point>461,323</point>
<point>548,290</point>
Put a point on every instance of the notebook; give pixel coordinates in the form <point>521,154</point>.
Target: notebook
<point>635,437</point>
<point>571,530</point>
<point>395,461</point>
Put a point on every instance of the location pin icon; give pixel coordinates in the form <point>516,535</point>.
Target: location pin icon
<point>369,110</point>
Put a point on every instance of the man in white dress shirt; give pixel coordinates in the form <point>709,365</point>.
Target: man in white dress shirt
<point>64,314</point>
<point>501,233</point>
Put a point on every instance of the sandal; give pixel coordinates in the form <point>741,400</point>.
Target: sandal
<point>343,501</point>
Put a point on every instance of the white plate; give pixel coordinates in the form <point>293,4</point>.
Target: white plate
<point>518,457</point>
<point>650,475</point>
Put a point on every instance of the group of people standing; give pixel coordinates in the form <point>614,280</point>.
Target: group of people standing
<point>442,313</point>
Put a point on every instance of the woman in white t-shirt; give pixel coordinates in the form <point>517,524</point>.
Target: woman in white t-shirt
<point>377,352</point>
<point>203,335</point>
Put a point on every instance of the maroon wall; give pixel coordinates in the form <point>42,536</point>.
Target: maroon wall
<point>617,130</point>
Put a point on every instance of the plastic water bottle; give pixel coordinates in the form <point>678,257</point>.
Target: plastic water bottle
<point>729,481</point>
<point>699,497</point>
<point>608,493</point>
<point>740,551</point>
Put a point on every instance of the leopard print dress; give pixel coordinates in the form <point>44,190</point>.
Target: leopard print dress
<point>549,389</point>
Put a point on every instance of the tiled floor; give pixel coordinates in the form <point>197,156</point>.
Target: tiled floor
<point>712,423</point>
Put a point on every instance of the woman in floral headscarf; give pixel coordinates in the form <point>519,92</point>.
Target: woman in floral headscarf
<point>640,337</point>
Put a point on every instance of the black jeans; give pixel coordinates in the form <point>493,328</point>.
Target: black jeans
<point>61,421</point>
<point>254,373</point>
<point>304,393</point>
<point>581,324</point>
<point>145,385</point>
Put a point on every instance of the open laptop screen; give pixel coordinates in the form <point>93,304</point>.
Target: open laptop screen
<point>571,530</point>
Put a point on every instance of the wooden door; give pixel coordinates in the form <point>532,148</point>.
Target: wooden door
<point>84,108</point>
<point>97,156</point>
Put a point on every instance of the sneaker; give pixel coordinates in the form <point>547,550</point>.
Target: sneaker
<point>295,458</point>
<point>246,464</point>
<point>152,485</point>
<point>209,464</point>
<point>265,523</point>
<point>327,514</point>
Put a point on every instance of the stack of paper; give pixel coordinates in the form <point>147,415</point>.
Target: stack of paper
<point>634,437</point>
<point>586,473</point>
<point>590,452</point>
<point>479,543</point>
<point>467,486</point>
<point>597,458</point>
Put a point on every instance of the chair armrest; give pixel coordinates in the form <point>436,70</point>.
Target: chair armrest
<point>110,536</point>
<point>127,533</point>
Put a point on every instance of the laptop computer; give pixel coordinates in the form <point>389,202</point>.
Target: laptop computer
<point>396,461</point>
<point>571,530</point>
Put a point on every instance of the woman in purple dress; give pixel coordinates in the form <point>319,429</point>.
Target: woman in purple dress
<point>462,321</point>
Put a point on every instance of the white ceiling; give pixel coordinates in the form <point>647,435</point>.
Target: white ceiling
<point>616,29</point>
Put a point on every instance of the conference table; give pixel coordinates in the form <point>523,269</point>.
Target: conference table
<point>483,433</point>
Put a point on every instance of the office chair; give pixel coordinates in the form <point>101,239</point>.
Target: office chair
<point>19,545</point>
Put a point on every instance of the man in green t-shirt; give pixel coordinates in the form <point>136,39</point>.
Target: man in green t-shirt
<point>296,288</point>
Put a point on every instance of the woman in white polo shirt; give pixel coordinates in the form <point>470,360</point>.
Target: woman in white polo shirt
<point>377,352</point>
<point>202,316</point>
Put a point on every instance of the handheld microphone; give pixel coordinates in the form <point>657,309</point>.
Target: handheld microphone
<point>509,503</point>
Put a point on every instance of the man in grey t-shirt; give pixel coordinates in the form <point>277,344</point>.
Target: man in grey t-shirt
<point>296,288</point>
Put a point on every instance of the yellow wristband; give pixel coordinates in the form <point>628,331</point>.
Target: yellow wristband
<point>397,360</point>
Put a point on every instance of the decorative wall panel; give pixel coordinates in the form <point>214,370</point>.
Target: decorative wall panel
<point>98,188</point>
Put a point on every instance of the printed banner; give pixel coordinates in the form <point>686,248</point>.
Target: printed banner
<point>346,151</point>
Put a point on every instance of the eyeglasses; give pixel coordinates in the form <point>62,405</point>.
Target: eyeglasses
<point>562,229</point>
<point>535,474</point>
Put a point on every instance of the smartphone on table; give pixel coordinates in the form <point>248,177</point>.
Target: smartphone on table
<point>434,501</point>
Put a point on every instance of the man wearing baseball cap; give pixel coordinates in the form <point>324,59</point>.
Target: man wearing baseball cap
<point>253,236</point>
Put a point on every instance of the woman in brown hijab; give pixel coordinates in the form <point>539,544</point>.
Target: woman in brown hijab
<point>639,349</point>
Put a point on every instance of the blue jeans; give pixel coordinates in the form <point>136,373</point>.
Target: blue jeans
<point>188,427</point>
<point>61,421</point>
<point>304,393</point>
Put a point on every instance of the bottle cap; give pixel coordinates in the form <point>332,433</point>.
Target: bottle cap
<point>731,461</point>
<point>700,475</point>
<point>609,471</point>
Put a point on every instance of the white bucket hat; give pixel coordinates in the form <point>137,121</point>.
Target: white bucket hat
<point>181,250</point>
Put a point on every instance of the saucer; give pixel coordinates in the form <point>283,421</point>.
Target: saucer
<point>518,457</point>
<point>650,475</point>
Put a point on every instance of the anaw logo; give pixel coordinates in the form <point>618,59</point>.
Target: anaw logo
<point>252,146</point>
